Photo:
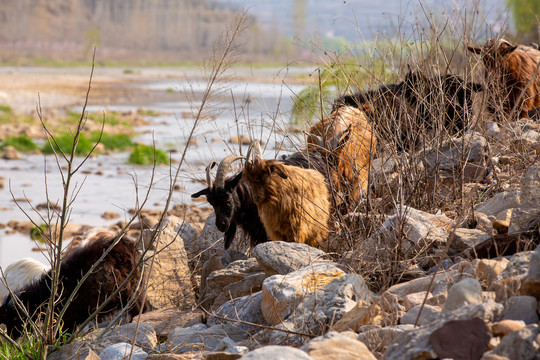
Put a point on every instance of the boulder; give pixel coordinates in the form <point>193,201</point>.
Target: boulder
<point>74,351</point>
<point>246,308</point>
<point>498,203</point>
<point>200,338</point>
<point>279,257</point>
<point>531,282</point>
<point>282,293</point>
<point>521,308</point>
<point>488,270</point>
<point>465,292</point>
<point>429,314</point>
<point>468,238</point>
<point>521,344</point>
<point>361,315</point>
<point>338,346</point>
<point>276,353</point>
<point>122,351</point>
<point>505,327</point>
<point>529,201</point>
<point>165,320</point>
<point>378,339</point>
<point>169,282</point>
<point>144,337</point>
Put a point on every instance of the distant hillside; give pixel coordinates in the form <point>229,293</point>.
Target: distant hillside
<point>157,29</point>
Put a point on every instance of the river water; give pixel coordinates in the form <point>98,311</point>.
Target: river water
<point>256,108</point>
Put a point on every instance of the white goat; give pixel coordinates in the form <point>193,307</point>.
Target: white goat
<point>20,274</point>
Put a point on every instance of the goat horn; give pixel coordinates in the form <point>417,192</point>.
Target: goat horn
<point>318,140</point>
<point>334,142</point>
<point>256,146</point>
<point>208,175</point>
<point>223,168</point>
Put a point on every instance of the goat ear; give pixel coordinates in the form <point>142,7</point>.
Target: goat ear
<point>344,138</point>
<point>474,49</point>
<point>506,49</point>
<point>279,169</point>
<point>202,192</point>
<point>234,182</point>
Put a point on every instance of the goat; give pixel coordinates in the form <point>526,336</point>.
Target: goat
<point>100,284</point>
<point>349,156</point>
<point>293,203</point>
<point>20,274</point>
<point>512,74</point>
<point>448,92</point>
<point>233,204</point>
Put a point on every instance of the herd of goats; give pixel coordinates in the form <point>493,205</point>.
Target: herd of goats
<point>290,199</point>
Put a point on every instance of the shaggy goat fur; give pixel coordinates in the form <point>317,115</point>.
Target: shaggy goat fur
<point>512,76</point>
<point>20,274</point>
<point>101,283</point>
<point>351,161</point>
<point>293,203</point>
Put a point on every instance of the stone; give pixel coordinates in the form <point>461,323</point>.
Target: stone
<point>200,338</point>
<point>336,346</point>
<point>483,223</point>
<point>242,139</point>
<point>169,282</point>
<point>414,299</point>
<point>440,284</point>
<point>361,315</point>
<point>2,182</point>
<point>319,310</point>
<point>279,257</point>
<point>275,352</point>
<point>519,264</point>
<point>521,308</point>
<point>493,130</point>
<point>122,351</point>
<point>282,293</point>
<point>498,203</point>
<point>505,327</point>
<point>489,270</point>
<point>110,215</point>
<point>145,336</point>
<point>461,339</point>
<point>246,308</point>
<point>428,315</point>
<point>521,344</point>
<point>467,238</point>
<point>531,282</point>
<point>378,339</point>
<point>465,292</point>
<point>74,351</point>
<point>410,230</point>
<point>529,201</point>
<point>10,153</point>
<point>165,320</point>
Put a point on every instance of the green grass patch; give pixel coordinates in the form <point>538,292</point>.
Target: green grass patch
<point>113,142</point>
<point>64,142</point>
<point>146,112</point>
<point>111,117</point>
<point>36,233</point>
<point>145,155</point>
<point>170,90</point>
<point>22,143</point>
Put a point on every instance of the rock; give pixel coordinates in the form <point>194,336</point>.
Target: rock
<point>529,201</point>
<point>169,357</point>
<point>525,142</point>
<point>483,223</point>
<point>281,293</point>
<point>238,278</point>
<point>465,292</point>
<point>519,345</point>
<point>412,300</point>
<point>122,351</point>
<point>2,182</point>
<point>74,351</point>
<point>10,153</point>
<point>420,231</point>
<point>165,320</point>
<point>170,277</point>
<point>276,353</point>
<point>279,257</point>
<point>247,308</point>
<point>531,282</point>
<point>319,310</point>
<point>428,315</point>
<point>458,153</point>
<point>336,346</point>
<point>467,238</point>
<point>505,327</point>
<point>110,215</point>
<point>414,343</point>
<point>200,338</point>
<point>442,281</point>
<point>242,139</point>
<point>508,287</point>
<point>361,315</point>
<point>461,339</point>
<point>489,270</point>
<point>521,308</point>
<point>221,355</point>
<point>518,264</point>
<point>146,336</point>
<point>493,130</point>
<point>378,339</point>
<point>498,203</point>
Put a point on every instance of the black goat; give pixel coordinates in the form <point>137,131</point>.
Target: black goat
<point>449,92</point>
<point>102,282</point>
<point>233,204</point>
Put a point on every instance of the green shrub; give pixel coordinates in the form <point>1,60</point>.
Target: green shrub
<point>65,143</point>
<point>145,155</point>
<point>37,233</point>
<point>112,142</point>
<point>21,143</point>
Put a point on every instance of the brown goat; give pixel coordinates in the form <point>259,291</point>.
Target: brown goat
<point>512,75</point>
<point>293,203</point>
<point>351,161</point>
